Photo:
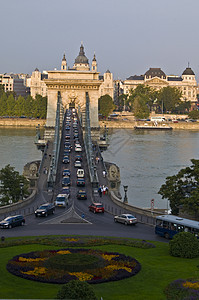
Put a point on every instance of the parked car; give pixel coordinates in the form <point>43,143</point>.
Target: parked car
<point>44,210</point>
<point>126,219</point>
<point>65,180</point>
<point>12,221</point>
<point>81,195</point>
<point>96,208</point>
<point>66,172</point>
<point>78,164</point>
<point>80,182</point>
<point>61,200</point>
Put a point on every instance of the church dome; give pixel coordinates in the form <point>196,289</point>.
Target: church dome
<point>81,58</point>
<point>188,71</point>
<point>153,72</point>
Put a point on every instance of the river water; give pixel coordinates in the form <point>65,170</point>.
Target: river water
<point>145,158</point>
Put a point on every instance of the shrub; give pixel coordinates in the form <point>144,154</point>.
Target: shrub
<point>184,244</point>
<point>75,289</point>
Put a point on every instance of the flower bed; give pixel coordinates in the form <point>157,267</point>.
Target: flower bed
<point>183,290</point>
<point>61,266</point>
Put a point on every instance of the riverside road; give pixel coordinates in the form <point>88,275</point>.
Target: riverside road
<point>86,223</point>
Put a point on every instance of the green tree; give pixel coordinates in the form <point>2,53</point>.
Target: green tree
<point>78,290</point>
<point>183,189</point>
<point>10,185</point>
<point>105,105</point>
<point>122,102</point>
<point>3,105</point>
<point>169,98</point>
<point>10,105</point>
<point>194,114</point>
<point>140,108</point>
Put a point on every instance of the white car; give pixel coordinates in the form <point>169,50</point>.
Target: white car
<point>78,164</point>
<point>80,173</point>
<point>61,200</point>
<point>78,148</point>
<point>126,219</point>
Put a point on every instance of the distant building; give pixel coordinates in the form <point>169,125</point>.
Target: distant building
<point>37,84</point>
<point>107,86</point>
<point>13,83</point>
<point>157,79</point>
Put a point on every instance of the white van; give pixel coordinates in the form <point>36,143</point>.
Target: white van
<point>61,200</point>
<point>80,173</point>
<point>158,119</point>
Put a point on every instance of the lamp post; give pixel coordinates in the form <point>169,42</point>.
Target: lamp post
<point>21,190</point>
<point>125,193</point>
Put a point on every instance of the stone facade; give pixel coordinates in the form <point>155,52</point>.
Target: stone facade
<point>107,86</point>
<point>15,83</point>
<point>157,79</point>
<point>37,84</point>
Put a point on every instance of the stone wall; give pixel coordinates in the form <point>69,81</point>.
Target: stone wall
<point>21,122</point>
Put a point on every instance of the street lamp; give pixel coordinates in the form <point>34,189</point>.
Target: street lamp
<point>21,189</point>
<point>125,193</point>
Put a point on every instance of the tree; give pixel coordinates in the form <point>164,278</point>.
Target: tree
<point>140,108</point>
<point>183,189</point>
<point>194,114</point>
<point>78,290</point>
<point>122,101</point>
<point>105,105</point>
<point>10,185</point>
<point>169,98</point>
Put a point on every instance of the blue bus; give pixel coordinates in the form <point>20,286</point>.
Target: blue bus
<point>168,225</point>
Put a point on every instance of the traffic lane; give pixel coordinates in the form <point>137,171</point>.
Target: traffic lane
<point>140,231</point>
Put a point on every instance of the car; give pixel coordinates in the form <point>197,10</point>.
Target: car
<point>67,137</point>
<point>67,148</point>
<point>78,148</point>
<point>66,172</point>
<point>12,221</point>
<point>65,180</point>
<point>66,152</point>
<point>78,157</point>
<point>61,200</point>
<point>44,210</point>
<point>80,173</point>
<point>96,208</point>
<point>67,128</point>
<point>66,160</point>
<point>80,182</point>
<point>126,219</point>
<point>81,194</point>
<point>66,190</point>
<point>78,164</point>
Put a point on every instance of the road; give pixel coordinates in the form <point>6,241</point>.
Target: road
<point>83,222</point>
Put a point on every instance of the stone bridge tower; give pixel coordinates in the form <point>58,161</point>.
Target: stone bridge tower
<point>73,84</point>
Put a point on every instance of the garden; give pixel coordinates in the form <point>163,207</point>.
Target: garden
<point>38,267</point>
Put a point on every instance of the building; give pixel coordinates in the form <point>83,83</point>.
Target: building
<point>37,84</point>
<point>157,79</point>
<point>74,84</point>
<point>13,83</point>
<point>107,86</point>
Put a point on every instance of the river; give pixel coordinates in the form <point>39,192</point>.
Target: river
<point>146,158</point>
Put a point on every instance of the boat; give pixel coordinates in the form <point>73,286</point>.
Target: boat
<point>153,127</point>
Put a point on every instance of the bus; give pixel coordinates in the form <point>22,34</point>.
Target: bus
<point>168,225</point>
<point>158,119</point>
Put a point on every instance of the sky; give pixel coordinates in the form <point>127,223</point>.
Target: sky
<point>128,36</point>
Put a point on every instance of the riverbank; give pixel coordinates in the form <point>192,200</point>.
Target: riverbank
<point>21,122</point>
<point>131,124</point>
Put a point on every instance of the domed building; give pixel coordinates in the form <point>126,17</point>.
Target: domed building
<point>157,79</point>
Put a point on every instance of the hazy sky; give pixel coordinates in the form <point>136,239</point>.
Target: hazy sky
<point>127,36</point>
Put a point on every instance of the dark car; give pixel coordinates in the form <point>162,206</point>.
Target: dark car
<point>66,172</point>
<point>80,182</point>
<point>44,210</point>
<point>78,157</point>
<point>96,208</point>
<point>65,181</point>
<point>67,149</point>
<point>12,221</point>
<point>66,190</point>
<point>66,152</point>
<point>67,137</point>
<point>66,160</point>
<point>81,195</point>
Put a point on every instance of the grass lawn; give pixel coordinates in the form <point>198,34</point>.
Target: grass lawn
<point>158,270</point>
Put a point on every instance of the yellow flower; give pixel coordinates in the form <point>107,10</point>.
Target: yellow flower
<point>37,271</point>
<point>117,267</point>
<point>81,276</point>
<point>108,256</point>
<point>30,259</point>
<point>64,252</point>
<point>72,240</point>
<point>191,285</point>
